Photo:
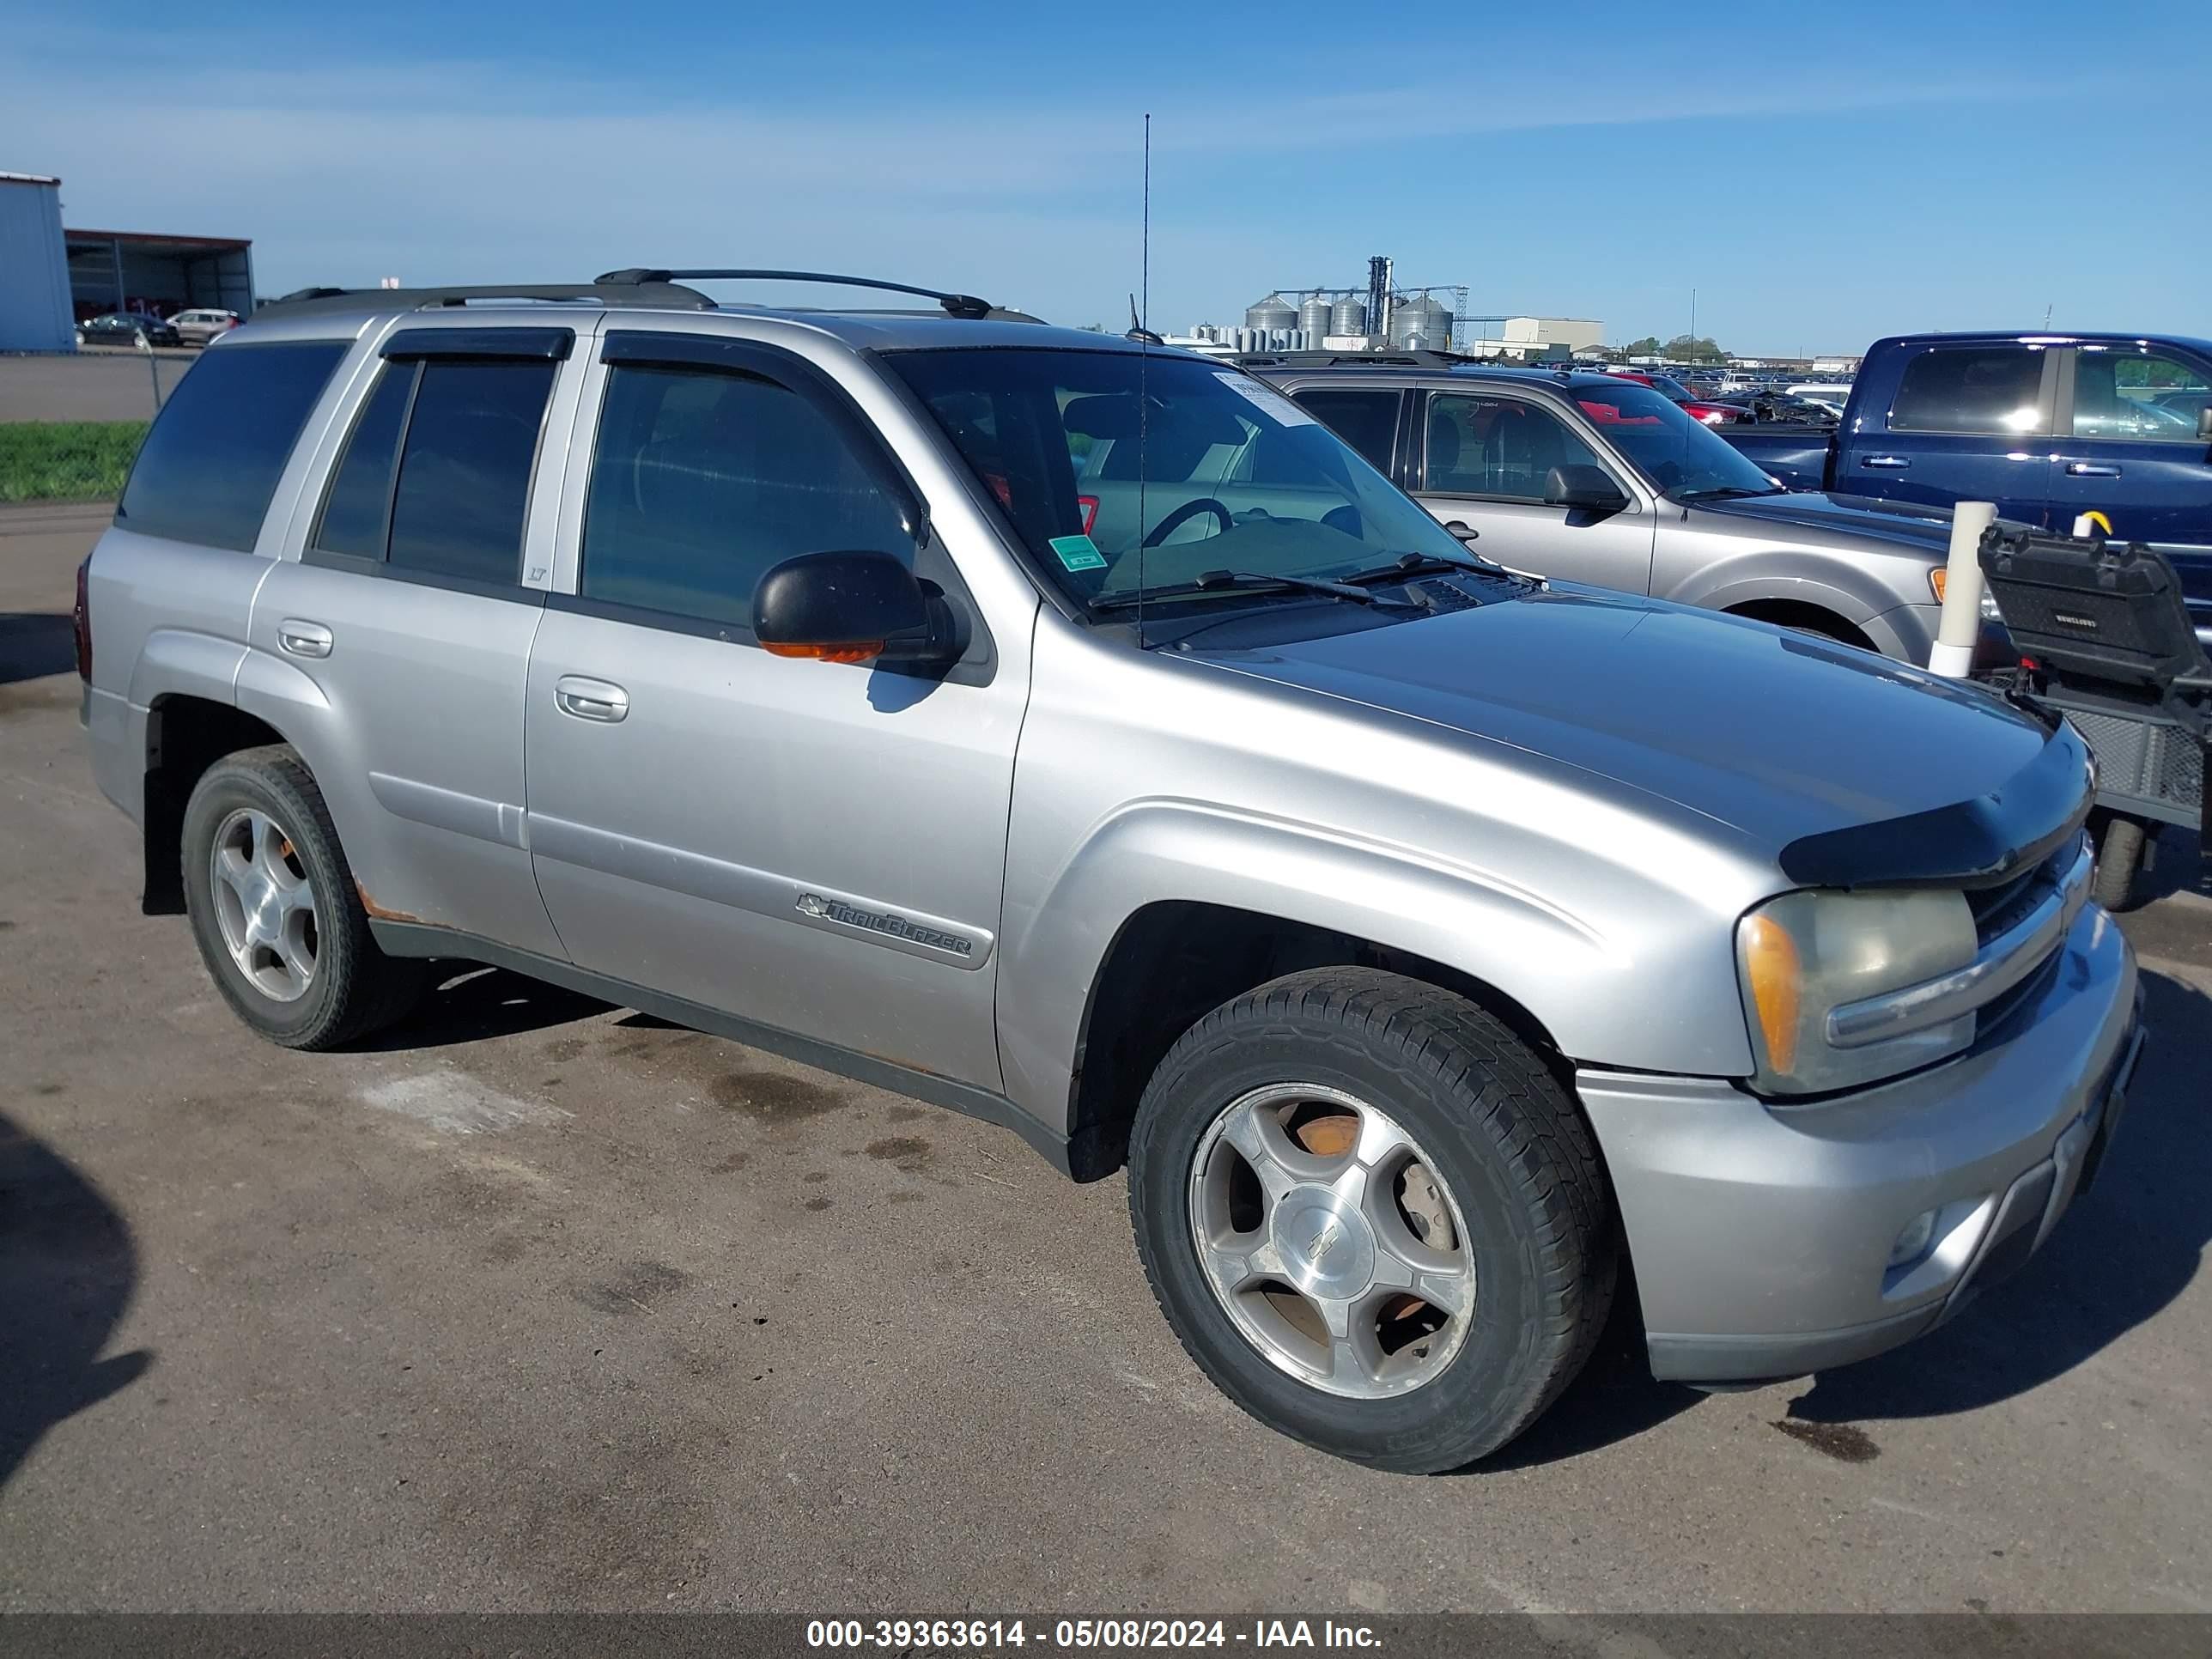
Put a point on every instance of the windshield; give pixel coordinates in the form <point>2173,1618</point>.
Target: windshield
<point>1680,455</point>
<point>1208,470</point>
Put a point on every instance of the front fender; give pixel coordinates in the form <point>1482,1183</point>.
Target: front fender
<point>1595,991</point>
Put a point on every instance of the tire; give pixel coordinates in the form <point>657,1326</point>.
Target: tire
<point>2119,858</point>
<point>258,800</point>
<point>1507,1149</point>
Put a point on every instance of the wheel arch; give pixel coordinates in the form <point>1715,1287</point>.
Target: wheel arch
<point>1173,961</point>
<point>186,732</point>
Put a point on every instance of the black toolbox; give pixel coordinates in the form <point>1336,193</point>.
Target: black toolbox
<point>2105,637</point>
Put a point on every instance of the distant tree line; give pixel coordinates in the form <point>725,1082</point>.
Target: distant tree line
<point>1683,348</point>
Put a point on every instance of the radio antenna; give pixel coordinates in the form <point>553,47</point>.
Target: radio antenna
<point>1144,337</point>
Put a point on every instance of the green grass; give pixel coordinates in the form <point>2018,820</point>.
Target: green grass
<point>66,460</point>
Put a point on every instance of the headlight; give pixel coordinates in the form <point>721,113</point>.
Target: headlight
<point>1803,954</point>
<point>1936,578</point>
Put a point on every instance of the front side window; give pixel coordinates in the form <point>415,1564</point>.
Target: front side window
<point>465,465</point>
<point>1971,389</point>
<point>1121,471</point>
<point>2133,392</point>
<point>208,469</point>
<point>702,481</point>
<point>1503,448</point>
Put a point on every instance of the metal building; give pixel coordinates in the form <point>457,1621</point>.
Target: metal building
<point>34,285</point>
<point>141,271</point>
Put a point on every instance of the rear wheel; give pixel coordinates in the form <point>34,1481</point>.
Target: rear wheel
<point>1372,1217</point>
<point>274,910</point>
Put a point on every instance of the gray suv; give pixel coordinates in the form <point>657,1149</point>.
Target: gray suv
<point>1590,477</point>
<point>1426,942</point>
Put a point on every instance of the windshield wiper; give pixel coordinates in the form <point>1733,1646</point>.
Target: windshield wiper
<point>1222,584</point>
<point>1419,564</point>
<point>1730,491</point>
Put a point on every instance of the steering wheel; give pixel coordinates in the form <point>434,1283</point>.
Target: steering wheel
<point>1184,515</point>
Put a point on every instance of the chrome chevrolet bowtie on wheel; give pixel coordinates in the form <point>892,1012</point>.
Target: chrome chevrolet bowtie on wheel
<point>1373,1216</point>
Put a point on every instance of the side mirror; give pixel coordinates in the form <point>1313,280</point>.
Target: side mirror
<point>1583,488</point>
<point>1461,530</point>
<point>850,607</point>
<point>2204,424</point>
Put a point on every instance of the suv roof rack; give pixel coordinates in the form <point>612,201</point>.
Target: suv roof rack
<point>664,294</point>
<point>966,306</point>
<point>1420,358</point>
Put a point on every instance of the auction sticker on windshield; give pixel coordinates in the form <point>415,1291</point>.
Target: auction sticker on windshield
<point>1260,397</point>
<point>1079,553</point>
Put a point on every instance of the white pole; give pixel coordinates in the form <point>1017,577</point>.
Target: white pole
<point>1953,653</point>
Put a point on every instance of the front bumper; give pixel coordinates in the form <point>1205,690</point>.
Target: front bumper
<point>1761,1235</point>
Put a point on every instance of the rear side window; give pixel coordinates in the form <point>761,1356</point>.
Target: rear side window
<point>465,466</point>
<point>208,469</point>
<point>1367,420</point>
<point>354,513</point>
<point>702,481</point>
<point>1971,389</point>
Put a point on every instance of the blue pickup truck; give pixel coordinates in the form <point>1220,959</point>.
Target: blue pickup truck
<point>2048,427</point>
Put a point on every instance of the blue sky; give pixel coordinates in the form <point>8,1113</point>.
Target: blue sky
<point>1820,174</point>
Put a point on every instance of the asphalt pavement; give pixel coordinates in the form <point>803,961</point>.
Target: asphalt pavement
<point>535,1304</point>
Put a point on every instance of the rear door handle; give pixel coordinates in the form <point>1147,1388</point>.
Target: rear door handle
<point>297,638</point>
<point>2091,470</point>
<point>589,699</point>
<point>1891,463</point>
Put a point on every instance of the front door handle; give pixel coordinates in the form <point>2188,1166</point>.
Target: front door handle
<point>297,638</point>
<point>1889,463</point>
<point>2091,470</point>
<point>589,699</point>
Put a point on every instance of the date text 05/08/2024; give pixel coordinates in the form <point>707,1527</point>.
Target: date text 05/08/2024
<point>1114,1634</point>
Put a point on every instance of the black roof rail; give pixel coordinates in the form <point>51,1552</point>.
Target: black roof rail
<point>664,294</point>
<point>1417,358</point>
<point>958,305</point>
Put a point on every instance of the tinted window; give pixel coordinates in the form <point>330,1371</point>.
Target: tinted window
<point>353,513</point>
<point>210,465</point>
<point>1498,446</point>
<point>464,469</point>
<point>1367,420</point>
<point>1969,389</point>
<point>2133,392</point>
<point>702,481</point>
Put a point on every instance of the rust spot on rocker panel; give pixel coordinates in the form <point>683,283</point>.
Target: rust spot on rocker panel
<point>377,910</point>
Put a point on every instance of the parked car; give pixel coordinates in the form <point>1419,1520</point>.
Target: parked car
<point>198,327</point>
<point>2047,427</point>
<point>1428,939</point>
<point>1696,406</point>
<point>1594,479</point>
<point>127,328</point>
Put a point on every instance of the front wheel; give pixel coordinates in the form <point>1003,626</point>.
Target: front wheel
<point>2120,846</point>
<point>1373,1217</point>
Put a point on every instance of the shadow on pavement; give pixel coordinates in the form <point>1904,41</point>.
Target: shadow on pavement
<point>2180,868</point>
<point>1615,1398</point>
<point>67,1271</point>
<point>34,644</point>
<point>2120,1254</point>
<point>470,1004</point>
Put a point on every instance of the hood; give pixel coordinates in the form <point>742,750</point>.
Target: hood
<point>1779,735</point>
<point>1905,524</point>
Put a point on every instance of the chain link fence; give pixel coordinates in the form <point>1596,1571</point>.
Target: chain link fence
<point>70,423</point>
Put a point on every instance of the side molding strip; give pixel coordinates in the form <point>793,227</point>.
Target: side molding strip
<point>932,939</point>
